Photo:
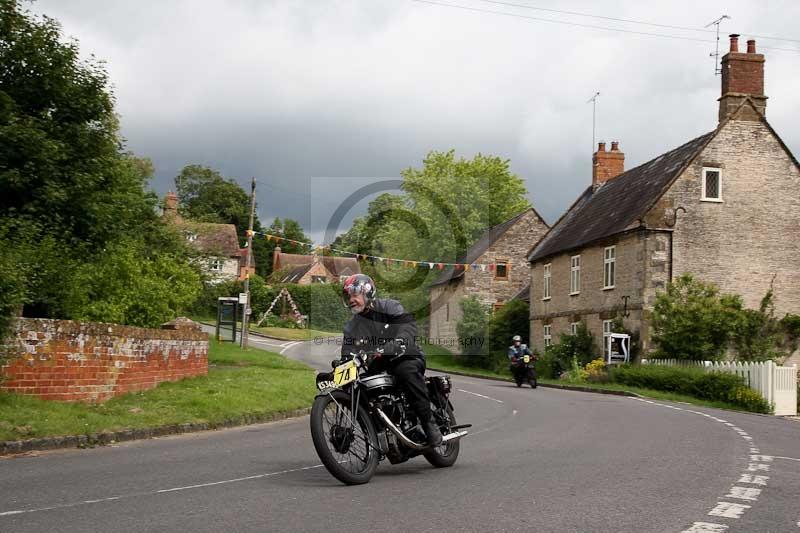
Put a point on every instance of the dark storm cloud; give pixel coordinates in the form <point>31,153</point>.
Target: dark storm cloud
<point>294,92</point>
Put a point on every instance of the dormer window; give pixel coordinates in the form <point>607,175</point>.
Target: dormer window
<point>712,185</point>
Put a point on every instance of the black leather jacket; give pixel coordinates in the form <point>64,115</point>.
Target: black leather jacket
<point>385,324</point>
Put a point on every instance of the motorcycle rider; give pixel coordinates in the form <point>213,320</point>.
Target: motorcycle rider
<point>383,325</point>
<point>515,353</point>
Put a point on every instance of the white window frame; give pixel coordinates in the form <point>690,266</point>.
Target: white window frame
<point>609,267</point>
<point>191,237</point>
<point>574,275</point>
<point>573,328</point>
<point>607,331</point>
<point>703,196</point>
<point>548,335</point>
<point>546,282</point>
<point>215,264</point>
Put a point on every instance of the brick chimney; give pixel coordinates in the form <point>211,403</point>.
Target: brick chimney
<point>742,77</point>
<point>276,254</point>
<point>171,207</point>
<point>607,165</point>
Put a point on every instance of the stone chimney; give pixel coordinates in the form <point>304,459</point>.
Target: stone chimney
<point>276,258</point>
<point>606,165</point>
<point>742,77</point>
<point>171,207</point>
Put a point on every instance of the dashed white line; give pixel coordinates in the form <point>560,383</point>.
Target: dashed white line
<point>729,510</point>
<point>743,493</point>
<point>481,396</point>
<point>150,493</point>
<point>787,458</point>
<point>755,480</point>
<point>705,527</point>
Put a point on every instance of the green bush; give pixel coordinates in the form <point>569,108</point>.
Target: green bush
<point>547,366</point>
<point>473,324</point>
<point>580,347</point>
<point>692,320</point>
<point>512,319</point>
<point>713,386</point>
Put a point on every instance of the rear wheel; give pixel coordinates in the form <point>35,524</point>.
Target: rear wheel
<point>344,443</point>
<point>446,454</point>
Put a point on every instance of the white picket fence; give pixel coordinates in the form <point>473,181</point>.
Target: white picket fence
<point>777,384</point>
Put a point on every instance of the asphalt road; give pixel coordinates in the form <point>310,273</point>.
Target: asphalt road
<point>543,460</point>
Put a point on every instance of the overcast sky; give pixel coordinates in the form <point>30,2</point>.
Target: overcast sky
<point>319,98</point>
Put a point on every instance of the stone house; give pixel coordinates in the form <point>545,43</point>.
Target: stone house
<point>218,244</point>
<point>306,269</point>
<point>505,245</point>
<point>724,207</point>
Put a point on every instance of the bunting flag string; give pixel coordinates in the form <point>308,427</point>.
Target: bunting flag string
<point>388,261</point>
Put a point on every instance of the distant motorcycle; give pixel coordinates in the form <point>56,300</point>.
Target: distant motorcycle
<point>523,370</point>
<point>358,419</point>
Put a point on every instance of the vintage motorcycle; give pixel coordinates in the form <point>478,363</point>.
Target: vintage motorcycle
<point>359,418</point>
<point>523,371</point>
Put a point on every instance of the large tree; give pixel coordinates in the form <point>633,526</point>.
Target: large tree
<point>69,193</point>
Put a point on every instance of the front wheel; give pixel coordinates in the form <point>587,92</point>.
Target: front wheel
<point>446,454</point>
<point>346,445</point>
<point>532,379</point>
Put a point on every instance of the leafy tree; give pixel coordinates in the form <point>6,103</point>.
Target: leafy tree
<point>692,320</point>
<point>471,331</point>
<point>512,319</point>
<point>68,191</point>
<point>758,335</point>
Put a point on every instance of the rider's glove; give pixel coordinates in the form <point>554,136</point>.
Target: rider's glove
<point>394,348</point>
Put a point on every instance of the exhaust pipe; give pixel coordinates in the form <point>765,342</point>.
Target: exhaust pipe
<point>410,443</point>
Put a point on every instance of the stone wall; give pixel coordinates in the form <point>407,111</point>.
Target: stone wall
<point>593,303</point>
<point>749,240</point>
<point>74,361</point>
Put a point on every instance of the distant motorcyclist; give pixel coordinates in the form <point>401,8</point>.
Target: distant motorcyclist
<point>516,354</point>
<point>383,325</point>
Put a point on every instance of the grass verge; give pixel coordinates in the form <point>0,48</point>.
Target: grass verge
<point>441,359</point>
<point>284,334</point>
<point>252,382</point>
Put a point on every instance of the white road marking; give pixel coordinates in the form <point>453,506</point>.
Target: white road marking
<point>729,510</point>
<point>743,493</point>
<point>754,479</point>
<point>705,527</point>
<point>787,458</point>
<point>294,343</point>
<point>754,467</point>
<point>762,458</point>
<point>481,396</point>
<point>153,492</point>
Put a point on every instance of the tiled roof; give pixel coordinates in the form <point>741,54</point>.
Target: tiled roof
<point>213,239</point>
<point>524,294</point>
<point>295,274</point>
<point>618,203</point>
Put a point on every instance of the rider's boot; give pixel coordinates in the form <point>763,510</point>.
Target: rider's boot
<point>432,434</point>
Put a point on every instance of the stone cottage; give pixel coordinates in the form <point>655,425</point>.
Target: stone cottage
<point>222,258</point>
<point>724,207</point>
<point>505,245</point>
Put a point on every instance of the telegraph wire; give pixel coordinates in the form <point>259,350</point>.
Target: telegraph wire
<point>581,25</point>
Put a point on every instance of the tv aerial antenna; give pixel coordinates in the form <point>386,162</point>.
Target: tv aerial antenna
<point>715,54</point>
<point>593,100</point>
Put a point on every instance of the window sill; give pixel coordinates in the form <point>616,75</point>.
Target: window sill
<point>575,293</point>
<point>712,200</point>
<point>609,288</point>
<point>546,299</point>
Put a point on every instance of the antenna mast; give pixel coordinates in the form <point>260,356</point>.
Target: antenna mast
<point>715,54</point>
<point>593,100</point>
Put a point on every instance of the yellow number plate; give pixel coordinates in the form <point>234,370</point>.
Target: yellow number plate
<point>526,358</point>
<point>344,374</point>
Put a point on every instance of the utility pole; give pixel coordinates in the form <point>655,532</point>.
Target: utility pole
<point>246,315</point>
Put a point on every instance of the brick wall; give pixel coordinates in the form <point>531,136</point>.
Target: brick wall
<point>74,361</point>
